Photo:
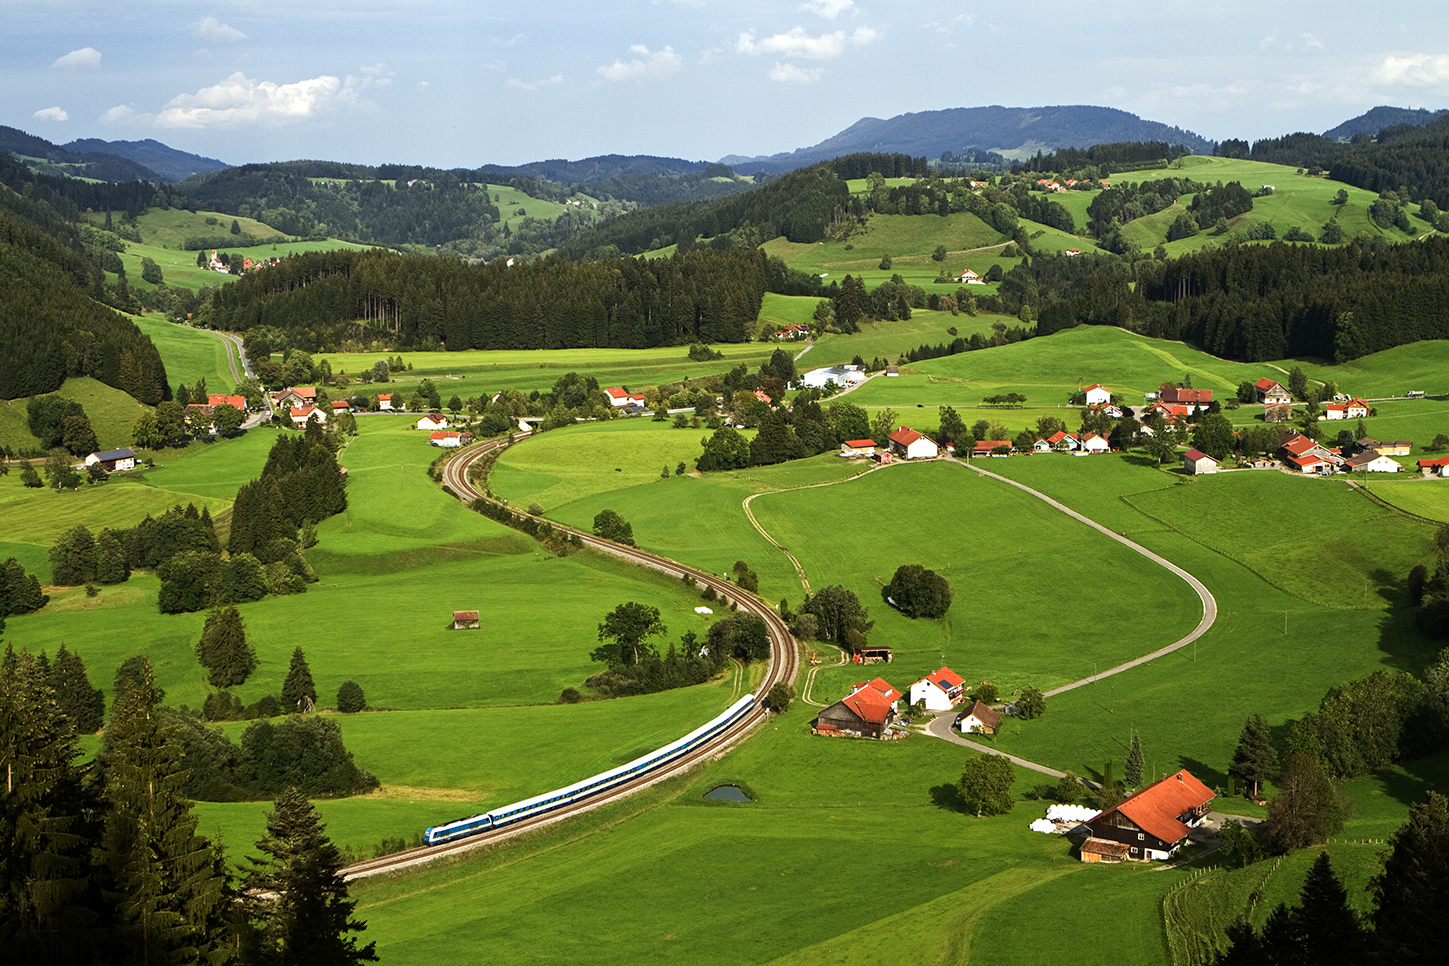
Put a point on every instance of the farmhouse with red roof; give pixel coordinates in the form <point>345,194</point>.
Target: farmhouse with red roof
<point>300,415</point>
<point>1155,822</point>
<point>1271,393</point>
<point>1096,394</point>
<point>857,447</point>
<point>619,398</point>
<point>909,444</point>
<point>940,690</point>
<point>867,712</point>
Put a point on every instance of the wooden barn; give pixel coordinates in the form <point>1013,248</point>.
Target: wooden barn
<point>1155,822</point>
<point>865,714</point>
<point>466,620</point>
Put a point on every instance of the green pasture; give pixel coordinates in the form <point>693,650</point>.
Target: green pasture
<point>478,372</point>
<point>190,354</point>
<point>1325,542</point>
<point>1412,493</point>
<point>510,199</point>
<point>890,340</point>
<point>112,414</point>
<point>1007,624</point>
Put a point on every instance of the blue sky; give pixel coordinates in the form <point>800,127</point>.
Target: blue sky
<point>461,84</point>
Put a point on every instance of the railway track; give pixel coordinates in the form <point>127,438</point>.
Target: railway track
<point>784,665</point>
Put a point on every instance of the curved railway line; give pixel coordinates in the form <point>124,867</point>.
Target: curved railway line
<point>784,664</point>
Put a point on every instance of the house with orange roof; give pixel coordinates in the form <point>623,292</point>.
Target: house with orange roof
<point>300,415</point>
<point>1096,394</point>
<point>385,402</point>
<point>222,399</point>
<point>1155,822</point>
<point>446,438</point>
<point>940,690</point>
<point>433,421</point>
<point>864,713</point>
<point>621,399</point>
<point>1095,443</point>
<point>295,396</point>
<point>911,445</point>
<point>1271,393</point>
<point>857,447</point>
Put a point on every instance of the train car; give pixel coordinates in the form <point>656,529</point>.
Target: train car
<point>561,797</point>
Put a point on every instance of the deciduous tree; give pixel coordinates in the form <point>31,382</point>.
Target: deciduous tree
<point>985,784</point>
<point>624,634</point>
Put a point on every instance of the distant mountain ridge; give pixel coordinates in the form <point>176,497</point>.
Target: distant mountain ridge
<point>168,162</point>
<point>1376,119</point>
<point>1005,130</point>
<point>110,160</point>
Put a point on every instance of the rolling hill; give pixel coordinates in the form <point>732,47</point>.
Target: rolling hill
<point>1006,130</point>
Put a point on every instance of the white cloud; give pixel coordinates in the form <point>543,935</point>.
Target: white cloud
<point>376,75</point>
<point>209,28</point>
<point>51,114</point>
<point>239,100</point>
<point>513,41</point>
<point>647,65</point>
<point>790,74</point>
<point>77,59</point>
<point>124,114</point>
<point>423,85</point>
<point>829,9</point>
<point>1415,70</point>
<point>798,43</point>
<point>514,84</point>
<point>1310,42</point>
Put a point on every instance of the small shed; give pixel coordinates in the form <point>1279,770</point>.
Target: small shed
<point>857,447</point>
<point>872,655</point>
<point>978,719</point>
<point>1197,463</point>
<point>465,620</point>
<point>1103,850</point>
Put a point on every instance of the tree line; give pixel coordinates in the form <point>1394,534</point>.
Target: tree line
<point>105,864</point>
<point>555,303</point>
<point>634,664</point>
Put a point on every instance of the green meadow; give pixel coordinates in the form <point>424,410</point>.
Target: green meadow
<point>478,372</point>
<point>112,414</point>
<point>190,354</point>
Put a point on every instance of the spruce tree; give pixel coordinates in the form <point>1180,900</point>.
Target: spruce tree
<point>81,703</point>
<point>167,884</point>
<point>19,591</point>
<point>1255,761</point>
<point>350,698</point>
<point>1331,930</point>
<point>48,907</point>
<point>1411,916</point>
<point>298,899</point>
<point>1132,771</point>
<point>298,692</point>
<point>223,649</point>
<point>111,564</point>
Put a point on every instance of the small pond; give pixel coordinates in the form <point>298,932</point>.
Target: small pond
<point>727,793</point>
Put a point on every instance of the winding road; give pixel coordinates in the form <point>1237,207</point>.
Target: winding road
<point>784,664</point>
<point>940,726</point>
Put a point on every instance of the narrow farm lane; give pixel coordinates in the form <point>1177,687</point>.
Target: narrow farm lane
<point>1209,603</point>
<point>940,727</point>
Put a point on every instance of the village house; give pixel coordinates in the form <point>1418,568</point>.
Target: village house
<point>1171,411</point>
<point>1096,394</point>
<point>978,720</point>
<point>864,713</point>
<point>893,372</point>
<point>969,276</point>
<point>295,396</point>
<point>764,397</point>
<point>385,400</point>
<point>113,460</point>
<point>1061,441</point>
<point>221,399</point>
<point>432,421</point>
<point>449,438</point>
<point>1306,456</point>
<point>1197,463</point>
<point>1154,823</point>
<point>465,620</point>
<point>341,406</point>
<point>911,445</point>
<point>1196,398</point>
<point>940,690</point>
<point>1094,443</point>
<point>1107,409</point>
<point>1399,447</point>
<point>792,332</point>
<point>300,415</point>
<point>621,399</point>
<point>881,687</point>
<point>1271,393</point>
<point>1435,467</point>
<point>1371,461</point>
<point>843,377</point>
<point>988,447</point>
<point>1352,409</point>
<point>857,447</point>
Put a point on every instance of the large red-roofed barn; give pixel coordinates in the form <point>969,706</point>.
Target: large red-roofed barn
<point>1155,822</point>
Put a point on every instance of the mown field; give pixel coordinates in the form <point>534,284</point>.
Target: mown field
<point>190,354</point>
<point>112,414</point>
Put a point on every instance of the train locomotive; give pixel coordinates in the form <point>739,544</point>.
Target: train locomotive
<point>549,801</point>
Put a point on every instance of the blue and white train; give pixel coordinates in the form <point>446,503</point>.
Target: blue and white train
<point>549,801</point>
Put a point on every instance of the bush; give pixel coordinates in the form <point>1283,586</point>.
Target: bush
<point>570,696</point>
<point>267,706</point>
<point>780,696</point>
<point>1031,703</point>
<point>350,699</point>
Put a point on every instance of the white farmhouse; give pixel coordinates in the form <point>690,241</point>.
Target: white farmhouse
<point>940,690</point>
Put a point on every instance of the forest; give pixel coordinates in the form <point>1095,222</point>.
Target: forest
<point>554,303</point>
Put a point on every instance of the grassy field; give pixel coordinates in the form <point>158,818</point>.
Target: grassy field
<point>112,414</point>
<point>476,372</point>
<point>189,353</point>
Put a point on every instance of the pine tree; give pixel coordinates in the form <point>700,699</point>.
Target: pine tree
<point>223,649</point>
<point>1331,930</point>
<point>111,564</point>
<point>298,692</point>
<point>350,698</point>
<point>81,703</point>
<point>48,908</point>
<point>167,883</point>
<point>306,916</point>
<point>1411,915</point>
<point>1132,771</point>
<point>1255,761</point>
<point>19,591</point>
